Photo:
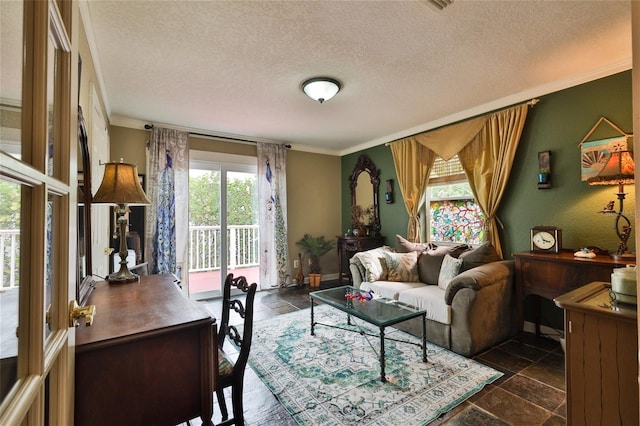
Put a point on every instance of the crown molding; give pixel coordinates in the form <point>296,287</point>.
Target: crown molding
<point>545,89</point>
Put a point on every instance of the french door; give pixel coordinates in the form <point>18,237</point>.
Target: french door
<point>38,196</point>
<point>223,219</point>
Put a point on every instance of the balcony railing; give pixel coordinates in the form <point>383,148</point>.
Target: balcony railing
<point>204,250</point>
<point>205,246</point>
<point>9,258</point>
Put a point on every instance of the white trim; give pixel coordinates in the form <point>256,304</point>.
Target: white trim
<point>85,16</point>
<point>497,104</point>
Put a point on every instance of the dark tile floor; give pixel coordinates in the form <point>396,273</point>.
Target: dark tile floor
<point>531,392</point>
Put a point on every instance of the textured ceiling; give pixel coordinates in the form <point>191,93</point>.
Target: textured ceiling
<point>235,67</point>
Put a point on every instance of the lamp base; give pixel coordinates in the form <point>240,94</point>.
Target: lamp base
<point>123,276</point>
<point>624,256</point>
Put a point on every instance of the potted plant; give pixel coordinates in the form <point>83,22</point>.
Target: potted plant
<point>314,247</point>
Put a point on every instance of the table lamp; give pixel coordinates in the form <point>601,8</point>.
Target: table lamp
<point>619,170</point>
<point>121,186</point>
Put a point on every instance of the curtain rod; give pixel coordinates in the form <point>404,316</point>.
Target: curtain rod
<point>531,103</point>
<point>226,138</point>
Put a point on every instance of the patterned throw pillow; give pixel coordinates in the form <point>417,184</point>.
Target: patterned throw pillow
<point>373,263</point>
<point>402,266</point>
<point>448,271</point>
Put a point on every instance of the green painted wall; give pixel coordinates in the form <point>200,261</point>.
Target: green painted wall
<point>557,123</point>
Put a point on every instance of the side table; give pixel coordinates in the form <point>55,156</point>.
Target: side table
<point>550,275</point>
<point>601,363</point>
<point>348,246</point>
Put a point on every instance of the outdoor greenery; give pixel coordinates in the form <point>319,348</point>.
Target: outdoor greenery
<point>204,199</point>
<point>9,205</point>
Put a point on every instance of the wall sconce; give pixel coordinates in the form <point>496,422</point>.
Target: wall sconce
<point>544,170</point>
<point>388,196</point>
<point>120,186</point>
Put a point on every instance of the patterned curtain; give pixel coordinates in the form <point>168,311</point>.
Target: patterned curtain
<point>167,218</point>
<point>275,270</point>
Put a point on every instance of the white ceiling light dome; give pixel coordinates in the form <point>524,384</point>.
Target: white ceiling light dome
<point>321,88</point>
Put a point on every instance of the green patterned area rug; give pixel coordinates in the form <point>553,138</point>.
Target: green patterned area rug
<point>332,378</point>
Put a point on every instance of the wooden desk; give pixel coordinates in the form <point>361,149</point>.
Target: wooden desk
<point>347,246</point>
<point>601,362</point>
<point>550,275</point>
<point>147,359</point>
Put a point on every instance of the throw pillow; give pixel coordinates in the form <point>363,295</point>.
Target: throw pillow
<point>486,253</point>
<point>406,246</point>
<point>371,261</point>
<point>448,271</point>
<point>430,261</point>
<point>402,266</point>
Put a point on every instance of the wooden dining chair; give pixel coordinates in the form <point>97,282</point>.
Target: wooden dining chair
<point>231,373</point>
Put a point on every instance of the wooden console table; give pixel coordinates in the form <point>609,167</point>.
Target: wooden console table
<point>601,362</point>
<point>148,358</point>
<point>550,275</point>
<point>347,246</point>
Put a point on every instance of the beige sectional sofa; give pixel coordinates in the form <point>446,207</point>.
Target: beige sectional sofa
<point>468,293</point>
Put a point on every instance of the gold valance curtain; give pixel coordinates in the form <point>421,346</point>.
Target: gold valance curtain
<point>486,147</point>
<point>413,163</point>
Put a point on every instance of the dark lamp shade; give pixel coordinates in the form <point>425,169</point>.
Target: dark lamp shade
<point>120,185</point>
<point>618,170</point>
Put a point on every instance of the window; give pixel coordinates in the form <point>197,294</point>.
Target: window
<point>453,215</point>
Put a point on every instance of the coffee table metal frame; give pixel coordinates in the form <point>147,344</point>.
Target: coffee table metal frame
<point>380,312</point>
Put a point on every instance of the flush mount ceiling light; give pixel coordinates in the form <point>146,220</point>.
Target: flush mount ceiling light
<point>321,88</point>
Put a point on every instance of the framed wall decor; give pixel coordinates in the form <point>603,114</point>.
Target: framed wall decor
<point>595,153</point>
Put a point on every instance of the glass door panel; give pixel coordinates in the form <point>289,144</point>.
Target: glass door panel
<point>205,241</point>
<point>11,77</point>
<point>242,224</point>
<point>9,283</point>
<point>222,243</point>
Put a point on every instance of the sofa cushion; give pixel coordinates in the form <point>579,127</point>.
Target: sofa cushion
<point>405,246</point>
<point>430,261</point>
<point>389,289</point>
<point>448,271</point>
<point>486,253</point>
<point>429,298</point>
<point>402,266</point>
<point>370,263</point>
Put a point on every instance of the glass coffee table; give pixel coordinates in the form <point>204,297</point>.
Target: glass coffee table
<point>380,312</point>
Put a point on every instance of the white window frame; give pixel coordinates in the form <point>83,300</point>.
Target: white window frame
<point>446,179</point>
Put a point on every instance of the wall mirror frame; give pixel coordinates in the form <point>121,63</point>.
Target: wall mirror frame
<point>84,271</point>
<point>365,215</point>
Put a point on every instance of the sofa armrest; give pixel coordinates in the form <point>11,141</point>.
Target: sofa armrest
<point>481,276</point>
<point>356,276</point>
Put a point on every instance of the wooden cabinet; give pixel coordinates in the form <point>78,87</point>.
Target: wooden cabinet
<point>347,246</point>
<point>601,357</point>
<point>551,275</point>
<point>148,358</point>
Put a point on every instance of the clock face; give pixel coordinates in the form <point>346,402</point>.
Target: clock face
<point>544,240</point>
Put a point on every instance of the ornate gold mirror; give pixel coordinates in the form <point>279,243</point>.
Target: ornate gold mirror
<point>365,212</point>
